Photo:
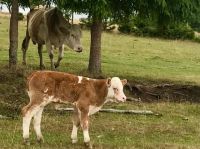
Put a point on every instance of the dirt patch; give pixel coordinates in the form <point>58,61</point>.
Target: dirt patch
<point>13,94</point>
<point>165,92</point>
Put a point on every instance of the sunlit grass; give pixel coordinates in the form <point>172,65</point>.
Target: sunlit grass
<point>107,130</point>
<point>138,59</point>
<point>122,55</point>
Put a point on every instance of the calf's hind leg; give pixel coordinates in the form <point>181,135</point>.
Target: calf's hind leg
<point>28,112</point>
<point>37,124</point>
<point>85,127</point>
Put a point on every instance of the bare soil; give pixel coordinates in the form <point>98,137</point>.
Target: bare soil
<point>13,94</point>
<point>165,92</point>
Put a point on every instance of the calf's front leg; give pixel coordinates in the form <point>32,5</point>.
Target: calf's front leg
<point>85,127</point>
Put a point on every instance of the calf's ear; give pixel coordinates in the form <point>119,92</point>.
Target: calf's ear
<point>124,81</point>
<point>108,82</point>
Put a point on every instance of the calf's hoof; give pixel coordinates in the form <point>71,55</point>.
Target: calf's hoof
<point>26,142</point>
<point>88,145</point>
<point>74,141</point>
<point>40,140</point>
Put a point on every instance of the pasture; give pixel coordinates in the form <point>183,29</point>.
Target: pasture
<point>141,60</point>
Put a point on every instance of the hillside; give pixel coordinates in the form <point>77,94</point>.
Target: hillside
<point>122,55</point>
<point>147,63</point>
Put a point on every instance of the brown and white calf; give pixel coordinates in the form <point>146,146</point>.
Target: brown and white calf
<point>87,95</point>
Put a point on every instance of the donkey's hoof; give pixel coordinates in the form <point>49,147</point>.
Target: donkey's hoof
<point>42,67</point>
<point>53,68</point>
<point>26,142</point>
<point>88,145</point>
<point>24,63</point>
<point>56,65</point>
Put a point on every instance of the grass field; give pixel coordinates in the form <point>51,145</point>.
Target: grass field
<point>177,128</point>
<point>122,55</point>
<point>143,60</point>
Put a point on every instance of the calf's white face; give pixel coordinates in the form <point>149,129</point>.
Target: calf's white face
<point>115,89</point>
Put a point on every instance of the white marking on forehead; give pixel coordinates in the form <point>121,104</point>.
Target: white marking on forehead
<point>116,82</point>
<point>88,78</point>
<point>80,79</point>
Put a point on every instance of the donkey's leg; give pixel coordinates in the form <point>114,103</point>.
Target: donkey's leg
<point>60,55</point>
<point>76,124</point>
<point>28,112</point>
<point>25,44</point>
<point>50,51</point>
<point>40,55</point>
<point>37,123</point>
<point>85,126</point>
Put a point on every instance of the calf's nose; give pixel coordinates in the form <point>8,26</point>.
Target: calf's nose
<point>124,98</point>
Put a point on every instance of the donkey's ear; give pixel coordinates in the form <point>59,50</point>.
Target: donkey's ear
<point>108,82</point>
<point>124,81</point>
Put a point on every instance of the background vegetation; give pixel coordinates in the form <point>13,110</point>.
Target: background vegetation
<point>142,60</point>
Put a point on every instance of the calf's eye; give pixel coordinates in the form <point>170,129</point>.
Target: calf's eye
<point>115,89</point>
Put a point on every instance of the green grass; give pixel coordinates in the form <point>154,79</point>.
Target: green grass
<point>142,60</point>
<point>123,131</point>
<point>122,55</point>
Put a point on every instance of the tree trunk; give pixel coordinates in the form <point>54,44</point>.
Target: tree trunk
<point>13,35</point>
<point>72,17</point>
<point>95,47</point>
<point>9,8</point>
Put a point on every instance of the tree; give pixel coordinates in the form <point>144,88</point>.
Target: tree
<point>170,12</point>
<point>8,4</point>
<point>13,32</point>
<point>97,10</point>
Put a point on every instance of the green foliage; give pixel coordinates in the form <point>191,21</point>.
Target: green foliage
<point>148,26</point>
<point>178,31</point>
<point>194,21</point>
<point>125,28</point>
<point>85,23</point>
<point>22,3</point>
<point>107,24</point>
<point>173,31</point>
<point>101,9</point>
<point>137,58</point>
